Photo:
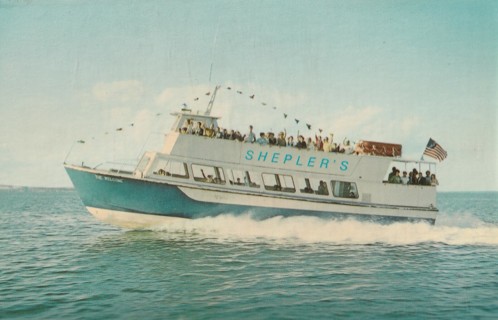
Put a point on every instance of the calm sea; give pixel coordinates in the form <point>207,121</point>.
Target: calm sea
<point>58,262</point>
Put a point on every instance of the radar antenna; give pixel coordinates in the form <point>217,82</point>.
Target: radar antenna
<point>211,102</point>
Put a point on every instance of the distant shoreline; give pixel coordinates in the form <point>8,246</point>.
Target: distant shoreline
<point>25,188</point>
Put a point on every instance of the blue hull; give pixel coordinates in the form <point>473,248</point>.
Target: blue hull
<point>106,191</point>
<point>138,196</point>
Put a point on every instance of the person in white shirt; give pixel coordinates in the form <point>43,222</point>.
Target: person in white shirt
<point>404,178</point>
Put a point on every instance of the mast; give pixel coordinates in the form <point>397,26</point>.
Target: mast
<point>211,102</point>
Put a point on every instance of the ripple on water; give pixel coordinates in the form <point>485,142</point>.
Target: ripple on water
<point>57,262</point>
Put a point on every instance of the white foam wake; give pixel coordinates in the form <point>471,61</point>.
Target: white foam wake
<point>463,229</point>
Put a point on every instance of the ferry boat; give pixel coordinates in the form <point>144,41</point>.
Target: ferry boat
<point>195,176</point>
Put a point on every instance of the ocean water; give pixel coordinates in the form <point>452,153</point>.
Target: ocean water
<point>58,262</point>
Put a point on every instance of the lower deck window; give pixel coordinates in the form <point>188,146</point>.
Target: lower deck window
<point>171,168</point>
<point>243,178</point>
<point>313,186</point>
<point>278,182</point>
<point>342,189</point>
<point>208,174</point>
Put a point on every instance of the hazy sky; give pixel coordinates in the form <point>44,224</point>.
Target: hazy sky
<point>394,71</point>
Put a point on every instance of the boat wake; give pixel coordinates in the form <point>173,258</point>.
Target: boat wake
<point>450,229</point>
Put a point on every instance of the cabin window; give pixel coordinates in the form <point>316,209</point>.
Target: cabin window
<point>208,174</point>
<point>243,178</point>
<point>342,189</point>
<point>278,182</point>
<point>313,186</point>
<point>171,168</point>
<point>253,179</point>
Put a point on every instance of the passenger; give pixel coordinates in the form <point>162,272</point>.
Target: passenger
<point>271,139</point>
<point>351,147</point>
<point>225,134</point>
<point>214,133</point>
<point>410,177</point>
<point>327,146</point>
<point>414,176</point>
<point>322,188</point>
<point>199,130</point>
<point>301,144</point>
<point>434,181</point>
<point>404,178</point>
<point>251,137</point>
<point>334,147</point>
<point>281,138</point>
<point>290,141</point>
<point>309,144</point>
<point>318,143</point>
<point>219,133</point>
<point>393,173</point>
<point>341,148</point>
<point>353,192</point>
<point>262,139</point>
<point>209,132</point>
<point>346,147</point>
<point>190,126</point>
<point>231,135</point>
<point>427,179</point>
<point>239,137</point>
<point>395,178</point>
<point>420,178</point>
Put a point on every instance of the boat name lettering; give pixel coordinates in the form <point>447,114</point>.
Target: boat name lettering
<point>289,159</point>
<point>99,177</point>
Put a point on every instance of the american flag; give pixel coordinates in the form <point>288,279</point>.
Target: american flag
<point>434,150</point>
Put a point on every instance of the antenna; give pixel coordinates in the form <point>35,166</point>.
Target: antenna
<point>211,102</point>
<point>210,72</point>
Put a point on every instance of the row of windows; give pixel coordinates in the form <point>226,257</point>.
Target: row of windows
<point>270,181</point>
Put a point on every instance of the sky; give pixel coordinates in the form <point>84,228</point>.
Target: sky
<point>392,71</point>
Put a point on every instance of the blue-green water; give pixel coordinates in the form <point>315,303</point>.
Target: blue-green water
<point>58,262</point>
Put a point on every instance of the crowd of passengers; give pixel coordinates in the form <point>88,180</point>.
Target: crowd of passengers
<point>269,138</point>
<point>413,177</point>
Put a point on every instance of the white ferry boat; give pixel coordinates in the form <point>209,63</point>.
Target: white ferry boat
<point>196,176</point>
